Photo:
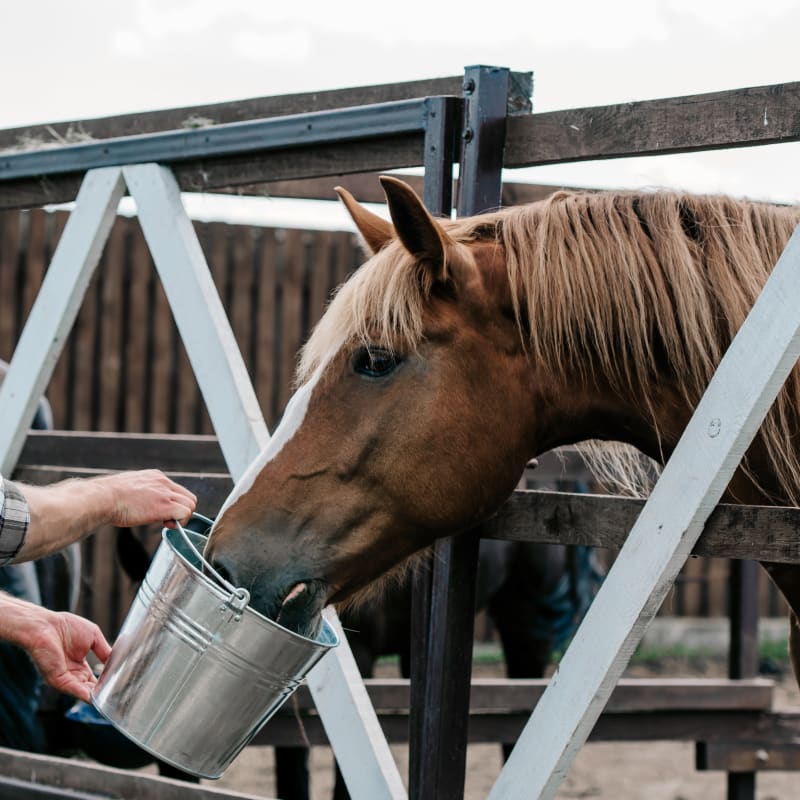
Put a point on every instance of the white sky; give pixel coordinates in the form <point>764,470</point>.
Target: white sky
<point>68,60</point>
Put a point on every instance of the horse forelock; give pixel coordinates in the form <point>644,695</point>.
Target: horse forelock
<point>382,302</point>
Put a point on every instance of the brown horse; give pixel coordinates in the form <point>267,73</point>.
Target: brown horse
<point>461,349</point>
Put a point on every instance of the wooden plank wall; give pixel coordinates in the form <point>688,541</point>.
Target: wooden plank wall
<point>124,367</point>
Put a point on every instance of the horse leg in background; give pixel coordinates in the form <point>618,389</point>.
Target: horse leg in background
<point>787,578</point>
<point>291,773</point>
<point>522,620</point>
<point>379,627</point>
<point>539,605</point>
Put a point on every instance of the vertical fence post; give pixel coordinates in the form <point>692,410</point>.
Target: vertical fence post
<point>743,653</point>
<point>443,119</point>
<point>440,711</point>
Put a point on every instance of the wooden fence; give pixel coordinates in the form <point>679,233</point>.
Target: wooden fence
<point>124,367</point>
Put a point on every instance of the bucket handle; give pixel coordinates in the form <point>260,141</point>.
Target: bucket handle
<point>240,597</point>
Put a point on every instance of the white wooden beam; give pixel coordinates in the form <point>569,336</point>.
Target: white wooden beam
<point>336,685</point>
<point>201,319</point>
<point>728,416</point>
<point>352,726</point>
<point>56,306</point>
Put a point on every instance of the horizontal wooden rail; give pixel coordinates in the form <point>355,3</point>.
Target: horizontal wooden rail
<point>736,118</point>
<point>189,117</point>
<point>367,189</point>
<point>631,695</point>
<point>747,756</point>
<point>742,532</point>
<point>639,710</point>
<point>761,533</point>
<point>71,778</point>
<point>233,171</point>
<point>196,453</point>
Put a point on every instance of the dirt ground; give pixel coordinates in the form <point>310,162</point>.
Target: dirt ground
<point>607,771</point>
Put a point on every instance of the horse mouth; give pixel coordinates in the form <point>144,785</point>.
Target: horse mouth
<point>301,609</point>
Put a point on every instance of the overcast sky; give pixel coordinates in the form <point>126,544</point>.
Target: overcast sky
<point>68,60</point>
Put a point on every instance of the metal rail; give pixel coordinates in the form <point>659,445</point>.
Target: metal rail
<point>234,138</point>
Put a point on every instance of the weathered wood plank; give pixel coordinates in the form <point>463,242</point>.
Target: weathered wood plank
<point>744,757</point>
<point>639,710</point>
<point>748,532</point>
<point>367,189</point>
<point>84,450</point>
<point>253,108</point>
<point>773,729</point>
<point>735,118</point>
<point>79,776</point>
<point>200,176</point>
<point>754,532</point>
<point>631,695</point>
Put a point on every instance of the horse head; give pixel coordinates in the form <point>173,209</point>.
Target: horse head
<point>412,420</point>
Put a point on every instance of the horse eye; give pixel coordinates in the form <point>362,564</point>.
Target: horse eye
<point>374,362</point>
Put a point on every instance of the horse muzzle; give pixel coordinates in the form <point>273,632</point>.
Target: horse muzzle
<point>287,595</point>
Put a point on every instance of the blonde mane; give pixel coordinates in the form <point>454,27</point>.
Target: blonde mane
<point>664,278</point>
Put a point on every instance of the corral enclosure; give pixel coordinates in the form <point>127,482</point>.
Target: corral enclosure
<point>498,136</point>
<point>125,368</point>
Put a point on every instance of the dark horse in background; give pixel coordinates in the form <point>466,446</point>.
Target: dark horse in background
<point>534,594</point>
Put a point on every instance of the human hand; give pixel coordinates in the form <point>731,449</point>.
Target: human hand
<point>146,496</point>
<point>59,651</point>
<point>58,643</point>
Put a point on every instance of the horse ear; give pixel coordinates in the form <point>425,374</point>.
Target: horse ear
<point>375,230</point>
<point>419,232</point>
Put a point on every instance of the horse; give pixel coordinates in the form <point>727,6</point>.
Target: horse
<point>462,348</point>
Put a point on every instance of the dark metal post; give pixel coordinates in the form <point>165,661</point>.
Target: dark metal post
<point>483,138</point>
<point>743,653</point>
<point>440,711</point>
<point>443,119</point>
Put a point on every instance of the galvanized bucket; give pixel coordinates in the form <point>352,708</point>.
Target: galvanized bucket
<point>195,673</point>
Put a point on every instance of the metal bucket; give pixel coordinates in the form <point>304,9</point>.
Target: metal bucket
<point>195,673</point>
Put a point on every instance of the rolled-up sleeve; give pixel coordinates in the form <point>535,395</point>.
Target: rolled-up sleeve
<point>14,520</point>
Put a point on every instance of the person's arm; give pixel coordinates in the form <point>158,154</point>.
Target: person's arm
<point>58,643</point>
<point>64,512</point>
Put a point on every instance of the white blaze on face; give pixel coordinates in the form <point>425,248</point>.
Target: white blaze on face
<point>290,423</point>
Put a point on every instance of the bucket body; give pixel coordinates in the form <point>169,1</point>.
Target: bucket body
<point>192,677</point>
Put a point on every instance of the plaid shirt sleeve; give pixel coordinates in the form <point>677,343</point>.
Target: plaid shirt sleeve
<point>14,520</point>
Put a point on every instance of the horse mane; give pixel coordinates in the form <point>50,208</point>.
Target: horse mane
<point>664,278</point>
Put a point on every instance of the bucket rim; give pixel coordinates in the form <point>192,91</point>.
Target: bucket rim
<point>331,638</point>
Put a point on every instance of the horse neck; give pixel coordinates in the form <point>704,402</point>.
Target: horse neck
<point>654,425</point>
